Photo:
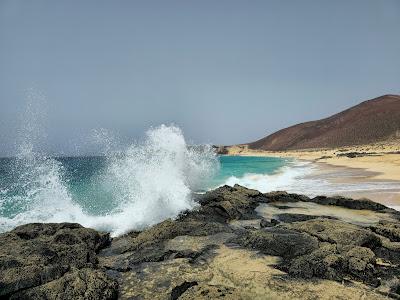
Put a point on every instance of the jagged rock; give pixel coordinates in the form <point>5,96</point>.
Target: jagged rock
<point>230,203</point>
<point>390,230</point>
<point>210,292</point>
<point>280,196</point>
<point>337,232</point>
<point>218,149</point>
<point>330,263</point>
<point>361,261</point>
<point>264,223</point>
<point>290,218</point>
<point>279,242</point>
<point>34,254</point>
<point>324,262</point>
<point>350,203</point>
<point>217,250</point>
<point>78,284</point>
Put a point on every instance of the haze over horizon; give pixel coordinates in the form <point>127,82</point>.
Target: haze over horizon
<point>226,72</point>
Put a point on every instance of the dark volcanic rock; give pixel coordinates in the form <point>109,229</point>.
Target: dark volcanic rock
<point>280,196</point>
<point>216,250</point>
<point>330,263</point>
<point>230,203</point>
<point>264,223</point>
<point>279,242</point>
<point>284,197</point>
<point>77,284</point>
<point>337,232</point>
<point>34,254</point>
<point>220,149</point>
<point>390,230</point>
<point>357,154</point>
<point>290,218</point>
<point>344,250</point>
<point>350,203</point>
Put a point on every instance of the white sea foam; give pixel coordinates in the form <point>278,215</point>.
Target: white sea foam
<point>303,178</point>
<point>40,193</point>
<point>284,179</point>
<point>154,180</point>
<point>150,181</point>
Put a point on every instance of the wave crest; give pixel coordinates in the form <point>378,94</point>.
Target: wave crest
<point>148,182</point>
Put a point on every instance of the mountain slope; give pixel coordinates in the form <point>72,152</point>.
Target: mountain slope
<point>368,122</point>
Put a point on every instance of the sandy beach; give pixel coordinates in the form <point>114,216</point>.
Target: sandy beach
<point>378,162</point>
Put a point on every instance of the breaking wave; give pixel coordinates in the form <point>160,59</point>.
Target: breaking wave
<point>148,182</point>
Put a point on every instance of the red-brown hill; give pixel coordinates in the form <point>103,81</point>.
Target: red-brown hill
<point>368,122</point>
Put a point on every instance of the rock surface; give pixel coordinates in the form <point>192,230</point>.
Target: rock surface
<point>220,250</point>
<point>50,256</point>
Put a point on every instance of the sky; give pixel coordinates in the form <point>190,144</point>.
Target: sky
<point>226,72</point>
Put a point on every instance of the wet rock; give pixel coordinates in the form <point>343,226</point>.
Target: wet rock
<point>34,254</point>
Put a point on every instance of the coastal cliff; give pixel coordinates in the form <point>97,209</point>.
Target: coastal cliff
<point>237,244</point>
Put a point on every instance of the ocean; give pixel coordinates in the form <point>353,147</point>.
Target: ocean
<point>144,183</point>
<point>140,185</point>
<point>91,190</point>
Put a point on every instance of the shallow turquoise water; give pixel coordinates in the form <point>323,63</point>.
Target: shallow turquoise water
<point>239,166</point>
<point>87,183</point>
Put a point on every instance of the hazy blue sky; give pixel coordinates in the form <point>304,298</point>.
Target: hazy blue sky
<point>225,71</point>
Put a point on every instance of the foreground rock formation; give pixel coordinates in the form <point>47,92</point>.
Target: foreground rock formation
<point>237,244</point>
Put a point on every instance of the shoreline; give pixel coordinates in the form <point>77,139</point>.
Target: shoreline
<point>378,163</point>
<point>238,244</point>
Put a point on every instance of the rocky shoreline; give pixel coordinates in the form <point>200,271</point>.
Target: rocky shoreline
<point>222,249</point>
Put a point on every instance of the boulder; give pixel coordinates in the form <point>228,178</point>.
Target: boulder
<point>279,242</point>
<point>34,254</point>
<point>77,284</point>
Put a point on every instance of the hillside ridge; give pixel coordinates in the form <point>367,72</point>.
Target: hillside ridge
<point>370,121</point>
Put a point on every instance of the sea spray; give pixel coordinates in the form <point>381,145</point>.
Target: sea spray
<point>34,190</point>
<point>146,183</point>
<point>154,180</point>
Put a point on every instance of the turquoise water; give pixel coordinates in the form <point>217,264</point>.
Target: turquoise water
<point>84,179</point>
<point>239,166</point>
<point>83,188</point>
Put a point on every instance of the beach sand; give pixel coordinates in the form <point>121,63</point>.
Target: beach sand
<point>378,162</point>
